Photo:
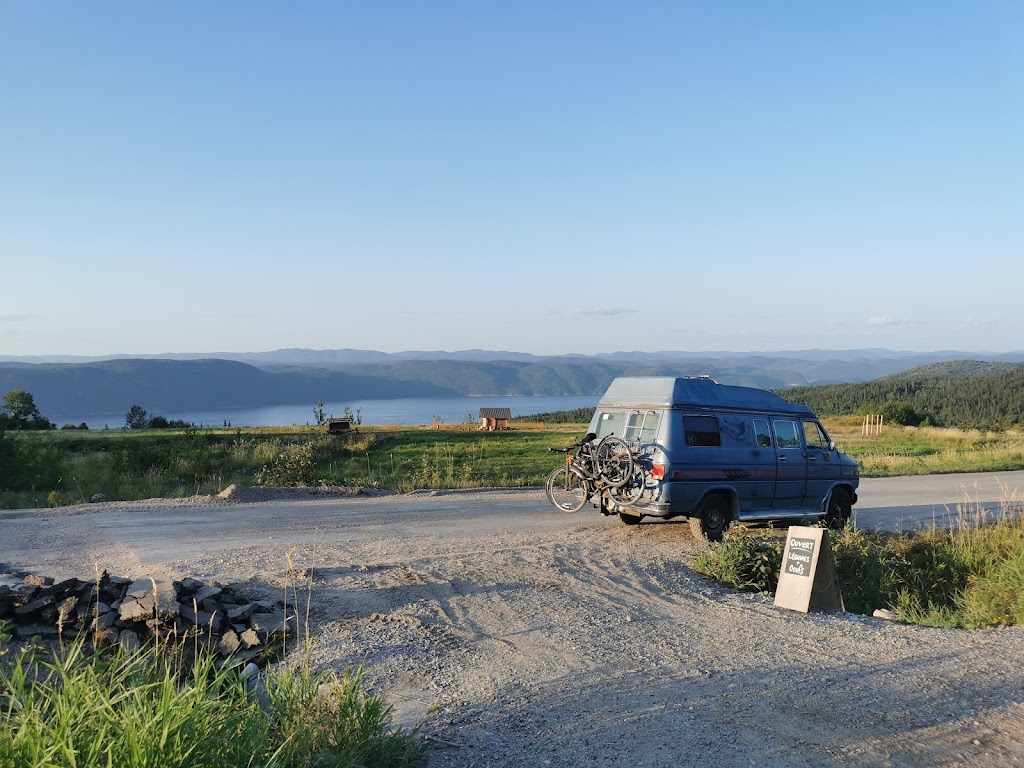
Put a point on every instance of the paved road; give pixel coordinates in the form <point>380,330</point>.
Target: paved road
<point>891,503</point>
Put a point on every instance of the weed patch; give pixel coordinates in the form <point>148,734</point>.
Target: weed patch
<point>971,575</point>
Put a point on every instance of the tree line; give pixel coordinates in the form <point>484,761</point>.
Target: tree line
<point>984,401</point>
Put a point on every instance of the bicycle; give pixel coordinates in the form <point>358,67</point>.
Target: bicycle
<point>589,470</point>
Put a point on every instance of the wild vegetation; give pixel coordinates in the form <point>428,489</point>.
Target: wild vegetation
<point>970,575</point>
<point>56,468</point>
<point>160,706</point>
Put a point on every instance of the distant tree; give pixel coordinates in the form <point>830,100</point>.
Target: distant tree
<point>22,413</point>
<point>136,418</point>
<point>355,417</point>
<point>158,422</point>
<point>83,425</point>
<point>896,412</point>
<point>318,413</point>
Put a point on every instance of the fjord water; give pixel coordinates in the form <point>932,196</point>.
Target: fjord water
<point>412,410</point>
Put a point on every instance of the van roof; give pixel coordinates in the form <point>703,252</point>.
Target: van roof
<point>698,392</point>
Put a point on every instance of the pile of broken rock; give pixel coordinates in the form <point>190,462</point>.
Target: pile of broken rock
<point>115,610</point>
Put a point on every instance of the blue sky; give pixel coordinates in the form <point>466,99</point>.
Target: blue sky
<point>532,176</point>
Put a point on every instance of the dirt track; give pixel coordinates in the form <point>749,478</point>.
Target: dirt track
<point>522,637</point>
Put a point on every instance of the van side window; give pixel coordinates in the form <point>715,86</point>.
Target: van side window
<point>609,424</point>
<point>786,435</point>
<point>702,431</point>
<point>814,436</point>
<point>762,433</point>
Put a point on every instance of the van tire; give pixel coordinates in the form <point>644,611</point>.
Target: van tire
<point>839,509</point>
<point>711,519</point>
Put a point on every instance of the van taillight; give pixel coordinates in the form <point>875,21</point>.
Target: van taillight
<point>658,471</point>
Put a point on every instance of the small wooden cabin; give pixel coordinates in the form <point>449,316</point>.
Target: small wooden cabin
<point>337,426</point>
<point>494,418</point>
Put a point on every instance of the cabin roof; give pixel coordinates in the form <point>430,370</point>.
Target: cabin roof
<point>495,413</point>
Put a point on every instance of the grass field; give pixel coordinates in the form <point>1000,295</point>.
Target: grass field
<point>72,467</point>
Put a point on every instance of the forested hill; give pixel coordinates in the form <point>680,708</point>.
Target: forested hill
<point>166,386</point>
<point>957,369</point>
<point>995,400</point>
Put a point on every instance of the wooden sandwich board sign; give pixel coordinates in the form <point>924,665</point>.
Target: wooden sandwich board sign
<point>808,577</point>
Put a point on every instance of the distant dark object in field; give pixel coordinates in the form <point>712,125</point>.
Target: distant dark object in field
<point>337,426</point>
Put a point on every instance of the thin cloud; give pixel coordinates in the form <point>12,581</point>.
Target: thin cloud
<point>10,318</point>
<point>587,313</point>
<point>13,325</point>
<point>878,320</point>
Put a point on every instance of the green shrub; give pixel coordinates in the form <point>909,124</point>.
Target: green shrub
<point>152,709</point>
<point>969,576</point>
<point>294,466</point>
<point>746,563</point>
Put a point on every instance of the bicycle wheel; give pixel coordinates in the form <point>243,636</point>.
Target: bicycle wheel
<point>566,490</point>
<point>632,489</point>
<point>614,461</point>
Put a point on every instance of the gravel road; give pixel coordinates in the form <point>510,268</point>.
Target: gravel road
<point>518,636</point>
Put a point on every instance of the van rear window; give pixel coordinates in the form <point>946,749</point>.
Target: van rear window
<point>642,426</point>
<point>609,423</point>
<point>702,431</point>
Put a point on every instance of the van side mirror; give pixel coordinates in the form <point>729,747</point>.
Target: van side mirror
<point>590,436</point>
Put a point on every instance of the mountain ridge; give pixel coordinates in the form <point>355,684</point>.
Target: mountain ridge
<point>163,385</point>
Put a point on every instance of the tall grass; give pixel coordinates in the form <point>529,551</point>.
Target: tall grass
<point>143,709</point>
<point>71,467</point>
<point>929,450</point>
<point>970,574</point>
<point>176,703</point>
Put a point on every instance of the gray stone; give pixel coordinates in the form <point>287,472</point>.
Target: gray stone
<point>140,588</point>
<point>210,606</point>
<point>242,612</point>
<point>206,593</point>
<point>885,613</point>
<point>105,620</point>
<point>129,640</point>
<point>133,610</point>
<point>157,596</point>
<point>97,497</point>
<point>35,605</point>
<point>201,618</point>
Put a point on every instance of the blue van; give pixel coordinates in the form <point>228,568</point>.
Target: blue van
<point>716,453</point>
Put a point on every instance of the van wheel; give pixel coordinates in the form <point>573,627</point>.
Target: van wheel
<point>711,519</point>
<point>630,519</point>
<point>839,509</point>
